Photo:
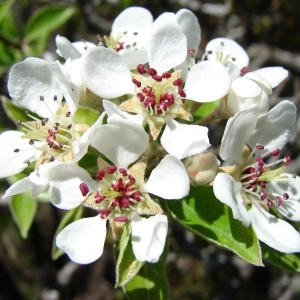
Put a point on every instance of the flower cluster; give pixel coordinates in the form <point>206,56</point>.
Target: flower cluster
<point>148,145</point>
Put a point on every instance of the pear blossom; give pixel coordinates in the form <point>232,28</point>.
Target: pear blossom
<point>119,194</point>
<point>252,187</point>
<point>158,93</point>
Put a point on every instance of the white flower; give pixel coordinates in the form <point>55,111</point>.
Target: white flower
<point>119,194</point>
<point>252,187</point>
<point>39,85</point>
<point>157,93</point>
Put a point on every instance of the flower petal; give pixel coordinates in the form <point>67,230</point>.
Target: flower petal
<point>223,49</point>
<point>32,79</point>
<point>207,81</point>
<point>149,237</point>
<point>65,48</point>
<point>228,191</point>
<point>276,233</point>
<point>190,27</point>
<point>274,129</point>
<point>274,75</point>
<point>237,131</point>
<point>184,140</point>
<point>64,180</point>
<point>122,141</point>
<point>167,46</point>
<point>83,240</point>
<point>15,152</point>
<point>105,73</point>
<point>169,180</point>
<point>290,208</point>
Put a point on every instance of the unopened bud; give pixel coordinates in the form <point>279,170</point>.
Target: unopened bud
<point>202,168</point>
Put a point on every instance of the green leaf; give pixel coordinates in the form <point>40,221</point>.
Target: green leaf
<point>205,109</point>
<point>150,283</point>
<point>69,217</point>
<point>127,265</point>
<point>209,218</point>
<point>4,8</point>
<point>23,209</point>
<point>46,19</point>
<point>286,261</point>
<point>13,111</point>
<point>87,116</point>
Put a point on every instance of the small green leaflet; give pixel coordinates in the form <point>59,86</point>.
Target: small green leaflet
<point>207,217</point>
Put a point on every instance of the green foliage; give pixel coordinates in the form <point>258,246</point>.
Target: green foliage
<point>69,217</point>
<point>85,115</point>
<point>127,266</point>
<point>150,283</point>
<point>204,215</point>
<point>23,208</point>
<point>286,261</point>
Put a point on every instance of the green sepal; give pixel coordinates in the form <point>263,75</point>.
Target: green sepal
<point>70,217</point>
<point>127,266</point>
<point>150,282</point>
<point>286,261</point>
<point>203,214</point>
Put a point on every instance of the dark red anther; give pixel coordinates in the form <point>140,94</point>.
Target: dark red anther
<point>100,174</point>
<point>286,196</point>
<point>170,98</point>
<point>131,179</point>
<point>141,97</point>
<point>104,213</point>
<point>262,184</point>
<point>125,203</point>
<point>279,200</point>
<point>166,75</point>
<point>177,82</point>
<point>99,198</point>
<point>121,219</point>
<point>136,82</point>
<point>111,169</point>
<point>275,152</point>
<point>151,72</point>
<point>123,171</point>
<point>149,102</point>
<point>269,203</point>
<point>84,189</point>
<point>181,92</point>
<point>157,78</point>
<point>260,147</point>
<point>244,70</point>
<point>137,196</point>
<point>263,195</point>
<point>141,69</point>
<point>147,90</point>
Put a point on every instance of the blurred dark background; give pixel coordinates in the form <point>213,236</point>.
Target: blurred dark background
<point>270,32</point>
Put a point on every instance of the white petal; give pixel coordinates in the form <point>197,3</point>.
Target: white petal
<point>190,27</point>
<point>112,109</point>
<point>64,180</point>
<point>263,83</point>
<point>121,141</point>
<point>149,237</point>
<point>166,16</point>
<point>69,90</point>
<point>274,75</point>
<point>276,233</point>
<point>83,240</point>
<point>223,49</point>
<point>275,128</point>
<point>167,46</point>
<point>169,180</point>
<point>33,183</point>
<point>12,162</point>
<point>134,58</point>
<point>31,79</point>
<point>131,19</point>
<point>66,49</point>
<point>83,46</point>
<point>105,73</point>
<point>228,191</point>
<point>80,146</point>
<point>184,140</point>
<point>237,131</point>
<point>207,81</point>
<point>290,208</point>
<point>216,9</point>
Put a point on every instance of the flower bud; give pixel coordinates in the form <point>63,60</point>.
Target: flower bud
<point>202,168</point>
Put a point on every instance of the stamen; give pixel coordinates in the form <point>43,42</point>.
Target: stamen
<point>84,189</point>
